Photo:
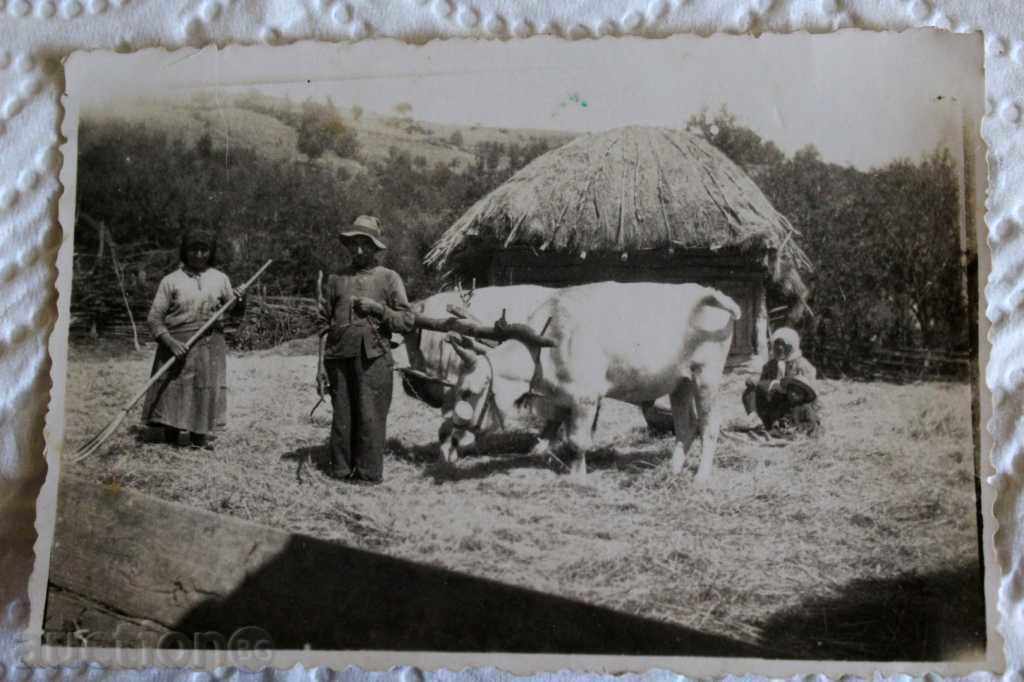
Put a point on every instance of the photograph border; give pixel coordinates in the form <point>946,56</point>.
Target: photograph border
<point>515,663</point>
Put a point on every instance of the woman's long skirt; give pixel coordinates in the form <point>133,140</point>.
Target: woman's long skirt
<point>192,394</point>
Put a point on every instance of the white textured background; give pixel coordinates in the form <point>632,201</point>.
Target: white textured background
<point>36,34</point>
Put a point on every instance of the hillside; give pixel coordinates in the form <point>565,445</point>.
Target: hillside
<point>271,127</point>
<point>274,178</point>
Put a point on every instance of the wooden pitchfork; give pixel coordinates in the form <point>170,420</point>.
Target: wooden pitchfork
<point>94,443</point>
<point>321,343</point>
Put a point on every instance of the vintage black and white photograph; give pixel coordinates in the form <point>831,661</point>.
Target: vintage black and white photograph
<point>661,348</point>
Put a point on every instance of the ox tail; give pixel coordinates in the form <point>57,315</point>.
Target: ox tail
<point>719,300</point>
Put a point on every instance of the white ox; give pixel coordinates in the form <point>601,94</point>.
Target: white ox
<point>633,342</point>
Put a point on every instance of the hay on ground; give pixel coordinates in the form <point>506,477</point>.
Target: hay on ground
<point>784,532</point>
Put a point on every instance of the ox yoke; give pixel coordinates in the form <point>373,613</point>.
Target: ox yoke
<point>428,351</point>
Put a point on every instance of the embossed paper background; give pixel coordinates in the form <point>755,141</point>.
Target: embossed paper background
<point>36,35</point>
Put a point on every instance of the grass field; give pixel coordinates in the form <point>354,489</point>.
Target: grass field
<point>862,544</point>
<point>231,126</point>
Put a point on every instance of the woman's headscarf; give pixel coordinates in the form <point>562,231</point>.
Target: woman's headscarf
<point>199,236</point>
<point>791,338</point>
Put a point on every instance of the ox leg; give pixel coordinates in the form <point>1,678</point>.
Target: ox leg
<point>682,420</point>
<point>709,422</point>
<point>580,434</point>
<point>549,433</point>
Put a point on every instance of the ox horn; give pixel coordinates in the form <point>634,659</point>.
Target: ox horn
<point>468,357</point>
<point>478,347</point>
<point>461,312</point>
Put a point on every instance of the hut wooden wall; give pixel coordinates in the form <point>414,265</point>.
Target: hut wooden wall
<point>740,276</point>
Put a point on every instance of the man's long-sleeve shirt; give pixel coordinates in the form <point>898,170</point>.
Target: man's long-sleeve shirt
<point>351,332</point>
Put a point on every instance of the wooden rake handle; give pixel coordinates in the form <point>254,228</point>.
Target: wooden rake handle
<point>94,444</point>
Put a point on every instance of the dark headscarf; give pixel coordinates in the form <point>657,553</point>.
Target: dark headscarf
<point>199,236</point>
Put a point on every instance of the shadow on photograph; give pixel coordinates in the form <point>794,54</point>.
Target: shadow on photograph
<point>930,617</point>
<point>334,597</point>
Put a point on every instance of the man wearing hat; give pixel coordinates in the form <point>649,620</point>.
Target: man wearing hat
<point>785,397</point>
<point>363,306</point>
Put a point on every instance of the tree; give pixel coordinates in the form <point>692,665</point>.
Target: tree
<point>915,221</point>
<point>741,144</point>
<point>884,243</point>
<point>321,129</point>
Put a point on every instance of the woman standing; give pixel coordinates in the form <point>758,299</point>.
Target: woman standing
<point>189,403</point>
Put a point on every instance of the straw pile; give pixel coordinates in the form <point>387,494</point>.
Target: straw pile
<point>624,190</point>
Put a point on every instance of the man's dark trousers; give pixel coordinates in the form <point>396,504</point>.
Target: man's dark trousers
<point>360,397</point>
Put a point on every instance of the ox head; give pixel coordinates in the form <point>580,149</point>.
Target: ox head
<point>480,398</point>
<point>470,400</point>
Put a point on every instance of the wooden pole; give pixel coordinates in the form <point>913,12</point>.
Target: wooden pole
<point>762,327</point>
<point>105,236</point>
<point>321,345</point>
<point>119,272</point>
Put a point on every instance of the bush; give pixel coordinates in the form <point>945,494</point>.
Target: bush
<point>268,325</point>
<point>322,129</point>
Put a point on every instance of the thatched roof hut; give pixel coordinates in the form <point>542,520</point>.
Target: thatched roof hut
<point>630,204</point>
<point>626,189</point>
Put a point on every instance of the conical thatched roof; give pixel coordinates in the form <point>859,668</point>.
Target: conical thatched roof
<point>625,190</point>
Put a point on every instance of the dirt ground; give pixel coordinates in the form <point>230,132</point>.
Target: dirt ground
<point>861,544</point>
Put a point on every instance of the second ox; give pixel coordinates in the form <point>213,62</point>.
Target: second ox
<point>634,342</point>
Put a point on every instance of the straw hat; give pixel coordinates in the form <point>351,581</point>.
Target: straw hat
<point>366,226</point>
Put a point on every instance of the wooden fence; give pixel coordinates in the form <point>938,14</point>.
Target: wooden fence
<point>886,364</point>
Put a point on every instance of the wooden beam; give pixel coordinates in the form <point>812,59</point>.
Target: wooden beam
<point>74,620</point>
<point>500,331</point>
<point>150,559</point>
<point>122,558</point>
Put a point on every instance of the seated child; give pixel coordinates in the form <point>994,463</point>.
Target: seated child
<point>785,397</point>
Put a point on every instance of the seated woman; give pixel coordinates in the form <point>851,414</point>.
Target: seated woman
<point>785,397</point>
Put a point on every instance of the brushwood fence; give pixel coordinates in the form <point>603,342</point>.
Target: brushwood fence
<point>887,364</point>
<point>267,322</point>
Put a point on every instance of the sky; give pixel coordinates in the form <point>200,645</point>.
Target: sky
<point>862,98</point>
